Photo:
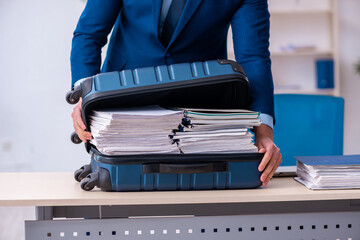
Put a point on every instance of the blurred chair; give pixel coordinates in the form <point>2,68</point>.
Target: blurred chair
<point>308,125</point>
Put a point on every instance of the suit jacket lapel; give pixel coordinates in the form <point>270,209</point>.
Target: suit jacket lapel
<point>157,4</point>
<point>189,10</point>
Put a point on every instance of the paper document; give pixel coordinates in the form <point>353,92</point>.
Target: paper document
<point>154,129</point>
<point>329,172</point>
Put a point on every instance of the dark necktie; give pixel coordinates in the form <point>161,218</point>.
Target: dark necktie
<point>172,20</point>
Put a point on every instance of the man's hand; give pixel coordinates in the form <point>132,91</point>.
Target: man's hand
<point>264,140</point>
<point>79,125</point>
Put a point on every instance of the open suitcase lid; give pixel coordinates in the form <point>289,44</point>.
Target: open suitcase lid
<point>211,84</point>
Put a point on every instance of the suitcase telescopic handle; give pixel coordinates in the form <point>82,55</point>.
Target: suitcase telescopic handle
<point>184,168</point>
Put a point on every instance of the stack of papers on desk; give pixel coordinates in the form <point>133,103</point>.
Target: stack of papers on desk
<point>153,130</point>
<point>329,172</point>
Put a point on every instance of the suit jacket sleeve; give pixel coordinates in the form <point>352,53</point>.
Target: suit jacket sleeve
<point>90,36</point>
<point>250,25</point>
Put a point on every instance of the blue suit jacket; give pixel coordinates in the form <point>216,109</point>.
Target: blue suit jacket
<point>200,35</point>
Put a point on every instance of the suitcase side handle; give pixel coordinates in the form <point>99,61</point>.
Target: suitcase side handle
<point>185,168</point>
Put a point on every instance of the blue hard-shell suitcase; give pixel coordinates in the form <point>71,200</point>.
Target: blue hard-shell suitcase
<point>210,84</point>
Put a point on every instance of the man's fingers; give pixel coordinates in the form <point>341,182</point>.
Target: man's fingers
<point>267,171</point>
<point>272,157</point>
<point>79,124</point>
<point>271,168</point>
<point>266,159</point>
<point>80,132</point>
<point>278,162</point>
<point>271,163</point>
<point>77,117</point>
<point>262,150</point>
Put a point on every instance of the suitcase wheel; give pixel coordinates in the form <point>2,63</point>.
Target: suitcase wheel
<point>90,181</point>
<point>82,172</point>
<point>73,96</point>
<point>75,138</point>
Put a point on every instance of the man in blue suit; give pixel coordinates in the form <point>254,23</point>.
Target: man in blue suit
<point>141,38</point>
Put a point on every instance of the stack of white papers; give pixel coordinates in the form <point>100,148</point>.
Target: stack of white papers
<point>329,172</point>
<point>217,131</point>
<point>139,130</point>
<point>153,129</point>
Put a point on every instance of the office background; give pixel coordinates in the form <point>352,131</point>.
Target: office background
<point>35,120</point>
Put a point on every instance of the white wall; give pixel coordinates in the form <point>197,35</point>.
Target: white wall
<point>35,123</point>
<point>349,49</point>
